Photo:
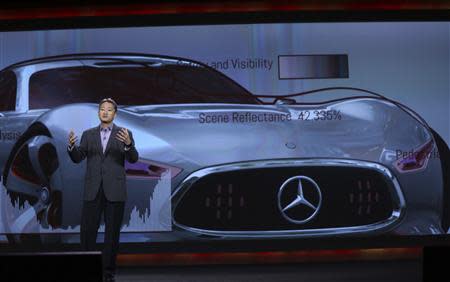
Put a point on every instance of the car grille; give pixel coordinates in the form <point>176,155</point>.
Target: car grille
<point>249,199</point>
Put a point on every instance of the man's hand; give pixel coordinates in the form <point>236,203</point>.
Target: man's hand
<point>123,136</point>
<point>72,138</point>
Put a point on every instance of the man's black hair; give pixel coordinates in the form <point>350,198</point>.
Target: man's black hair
<point>109,100</point>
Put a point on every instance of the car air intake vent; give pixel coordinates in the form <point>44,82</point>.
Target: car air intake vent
<point>287,198</point>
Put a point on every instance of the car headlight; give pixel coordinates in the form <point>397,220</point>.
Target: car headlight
<point>150,169</point>
<point>415,159</point>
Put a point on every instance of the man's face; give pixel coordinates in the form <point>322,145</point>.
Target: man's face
<point>106,112</point>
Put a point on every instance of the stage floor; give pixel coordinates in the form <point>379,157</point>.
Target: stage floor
<point>366,271</point>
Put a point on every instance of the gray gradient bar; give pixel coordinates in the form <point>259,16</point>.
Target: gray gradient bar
<point>312,66</point>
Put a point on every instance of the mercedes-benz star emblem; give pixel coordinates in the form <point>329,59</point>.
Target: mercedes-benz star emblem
<point>312,200</point>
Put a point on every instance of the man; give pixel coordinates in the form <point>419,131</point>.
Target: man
<point>106,147</point>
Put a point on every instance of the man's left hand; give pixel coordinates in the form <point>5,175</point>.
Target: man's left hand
<point>123,136</point>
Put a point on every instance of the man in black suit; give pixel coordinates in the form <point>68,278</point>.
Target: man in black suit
<point>106,147</point>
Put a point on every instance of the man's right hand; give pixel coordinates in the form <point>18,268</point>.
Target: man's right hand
<point>72,139</point>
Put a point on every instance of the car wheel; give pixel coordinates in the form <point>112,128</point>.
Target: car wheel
<point>32,202</point>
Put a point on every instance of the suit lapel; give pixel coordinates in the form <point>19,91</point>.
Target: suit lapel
<point>98,140</point>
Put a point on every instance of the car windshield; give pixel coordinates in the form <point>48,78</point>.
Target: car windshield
<point>134,85</point>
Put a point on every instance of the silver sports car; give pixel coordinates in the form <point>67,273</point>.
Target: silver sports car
<point>217,162</point>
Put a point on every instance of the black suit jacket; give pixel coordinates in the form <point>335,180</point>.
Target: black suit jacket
<point>107,168</point>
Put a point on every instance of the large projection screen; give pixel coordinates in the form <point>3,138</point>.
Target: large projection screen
<point>245,131</point>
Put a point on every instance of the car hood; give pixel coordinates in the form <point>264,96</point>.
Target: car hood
<point>366,129</point>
